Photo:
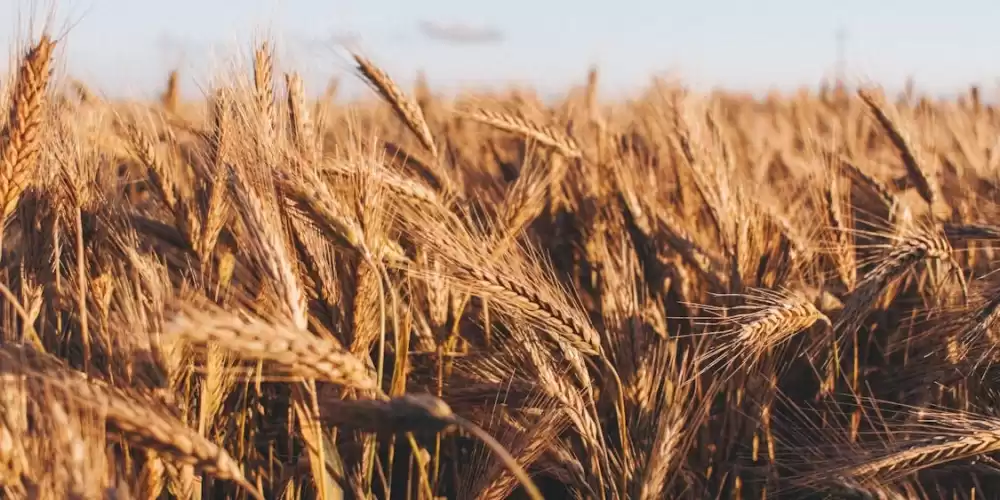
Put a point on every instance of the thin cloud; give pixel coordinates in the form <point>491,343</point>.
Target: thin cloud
<point>460,33</point>
<point>178,47</point>
<point>330,40</point>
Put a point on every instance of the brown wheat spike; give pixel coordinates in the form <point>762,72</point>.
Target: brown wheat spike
<point>422,91</point>
<point>916,244</point>
<point>263,82</point>
<point>301,353</point>
<point>766,319</point>
<point>407,111</point>
<point>564,144</point>
<point>170,96</point>
<point>972,231</point>
<point>560,323</point>
<point>144,426</point>
<point>978,334</point>
<point>925,182</point>
<point>316,199</point>
<point>298,115</point>
<point>142,422</point>
<point>84,93</point>
<point>561,389</point>
<point>840,228</point>
<point>400,185</point>
<point>528,302</point>
<point>661,226</point>
<point>875,185</point>
<point>159,173</point>
<point>267,244</point>
<point>221,125</point>
<point>22,136</point>
<point>530,446</point>
<point>577,406</point>
<point>212,195</point>
<point>689,144</point>
<point>330,93</point>
<point>365,317</point>
<point>668,406</point>
<point>963,436</point>
<point>517,284</point>
<point>590,95</point>
<point>321,109</point>
<point>151,477</point>
<point>432,173</point>
<point>407,413</point>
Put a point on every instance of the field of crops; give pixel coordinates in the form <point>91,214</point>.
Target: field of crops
<point>423,296</point>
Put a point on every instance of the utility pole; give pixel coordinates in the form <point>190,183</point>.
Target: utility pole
<point>841,63</point>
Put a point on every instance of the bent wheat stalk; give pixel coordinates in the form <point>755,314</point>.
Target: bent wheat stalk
<point>413,412</point>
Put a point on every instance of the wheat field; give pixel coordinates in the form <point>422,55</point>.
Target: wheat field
<point>420,296</point>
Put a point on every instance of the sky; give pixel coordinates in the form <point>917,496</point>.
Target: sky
<point>127,46</point>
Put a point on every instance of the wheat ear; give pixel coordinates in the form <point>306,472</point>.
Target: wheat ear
<point>926,185</point>
<point>263,82</point>
<point>170,95</point>
<point>22,134</point>
<point>300,352</point>
<point>547,136</point>
<point>407,111</point>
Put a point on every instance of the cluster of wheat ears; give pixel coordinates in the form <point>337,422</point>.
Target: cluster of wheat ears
<point>488,296</point>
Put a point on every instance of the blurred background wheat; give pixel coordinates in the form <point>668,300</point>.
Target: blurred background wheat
<point>265,290</point>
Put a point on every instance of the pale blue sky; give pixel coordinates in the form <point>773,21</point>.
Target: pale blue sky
<point>128,45</point>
